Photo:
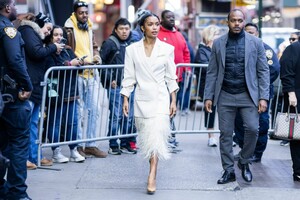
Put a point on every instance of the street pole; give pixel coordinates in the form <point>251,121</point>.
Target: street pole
<point>260,12</point>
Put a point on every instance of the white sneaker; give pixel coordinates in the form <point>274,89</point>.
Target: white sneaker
<point>58,157</point>
<point>187,111</point>
<point>212,142</point>
<point>75,156</point>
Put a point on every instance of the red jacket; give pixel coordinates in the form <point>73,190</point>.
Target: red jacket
<point>182,54</point>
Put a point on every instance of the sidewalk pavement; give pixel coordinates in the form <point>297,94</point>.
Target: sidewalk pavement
<point>191,174</point>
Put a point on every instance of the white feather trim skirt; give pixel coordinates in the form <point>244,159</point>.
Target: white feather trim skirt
<point>153,134</point>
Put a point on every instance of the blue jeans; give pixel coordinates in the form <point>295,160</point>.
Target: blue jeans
<point>33,147</point>
<point>88,90</point>
<point>183,95</point>
<point>117,121</point>
<point>262,139</point>
<point>64,119</point>
<point>14,137</point>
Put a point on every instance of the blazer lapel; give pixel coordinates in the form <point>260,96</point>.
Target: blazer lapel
<point>223,49</point>
<point>155,50</point>
<point>247,45</point>
<point>148,65</point>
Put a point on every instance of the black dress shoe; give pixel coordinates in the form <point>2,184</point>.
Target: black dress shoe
<point>246,173</point>
<point>227,178</point>
<point>25,198</point>
<point>296,177</point>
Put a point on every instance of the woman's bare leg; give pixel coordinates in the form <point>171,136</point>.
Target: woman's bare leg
<point>152,175</point>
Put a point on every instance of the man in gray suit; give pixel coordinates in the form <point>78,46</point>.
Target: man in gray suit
<point>237,81</point>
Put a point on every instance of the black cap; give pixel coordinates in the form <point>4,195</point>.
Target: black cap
<point>79,4</point>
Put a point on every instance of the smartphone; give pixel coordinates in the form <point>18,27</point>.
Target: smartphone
<point>63,41</point>
<point>82,58</point>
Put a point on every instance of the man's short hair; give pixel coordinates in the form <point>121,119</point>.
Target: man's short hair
<point>79,4</point>
<point>235,10</point>
<point>251,24</point>
<point>163,13</point>
<point>122,21</point>
<point>4,3</point>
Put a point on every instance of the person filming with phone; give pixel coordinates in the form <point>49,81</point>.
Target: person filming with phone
<point>63,109</point>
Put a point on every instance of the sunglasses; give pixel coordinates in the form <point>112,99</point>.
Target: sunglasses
<point>292,39</point>
<point>81,4</point>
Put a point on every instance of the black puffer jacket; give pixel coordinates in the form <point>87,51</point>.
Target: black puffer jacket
<point>67,78</point>
<point>234,81</point>
<point>36,54</point>
<point>110,56</point>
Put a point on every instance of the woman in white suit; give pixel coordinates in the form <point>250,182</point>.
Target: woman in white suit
<point>149,65</point>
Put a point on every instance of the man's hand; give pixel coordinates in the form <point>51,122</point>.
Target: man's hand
<point>262,106</point>
<point>292,99</point>
<point>125,106</point>
<point>113,84</point>
<point>97,60</point>
<point>76,62</point>
<point>208,106</point>
<point>24,95</point>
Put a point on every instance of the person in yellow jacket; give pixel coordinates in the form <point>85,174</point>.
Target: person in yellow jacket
<point>81,39</point>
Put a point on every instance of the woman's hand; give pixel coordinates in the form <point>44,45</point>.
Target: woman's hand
<point>292,99</point>
<point>125,106</point>
<point>173,106</point>
<point>173,109</point>
<point>208,105</point>
<point>59,47</point>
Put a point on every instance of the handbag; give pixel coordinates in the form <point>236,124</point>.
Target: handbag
<point>287,126</point>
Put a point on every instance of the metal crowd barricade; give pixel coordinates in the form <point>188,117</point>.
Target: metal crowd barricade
<point>193,120</point>
<point>51,106</point>
<point>190,121</point>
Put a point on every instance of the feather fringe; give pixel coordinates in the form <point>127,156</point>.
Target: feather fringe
<point>153,134</point>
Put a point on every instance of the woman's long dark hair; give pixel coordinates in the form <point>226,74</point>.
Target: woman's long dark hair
<point>49,37</point>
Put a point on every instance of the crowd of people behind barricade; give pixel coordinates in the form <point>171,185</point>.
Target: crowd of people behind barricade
<point>141,96</point>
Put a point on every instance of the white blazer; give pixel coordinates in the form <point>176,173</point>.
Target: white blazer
<point>154,78</point>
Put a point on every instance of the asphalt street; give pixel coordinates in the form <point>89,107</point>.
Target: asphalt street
<point>191,174</point>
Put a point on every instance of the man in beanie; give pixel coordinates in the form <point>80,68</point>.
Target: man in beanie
<point>137,33</point>
<point>81,39</point>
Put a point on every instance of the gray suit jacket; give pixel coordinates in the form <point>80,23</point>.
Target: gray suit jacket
<point>256,69</point>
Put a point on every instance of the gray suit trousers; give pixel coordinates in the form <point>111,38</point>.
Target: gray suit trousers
<point>228,105</point>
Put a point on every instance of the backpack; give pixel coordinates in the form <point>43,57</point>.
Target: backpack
<point>117,43</point>
<point>106,73</point>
